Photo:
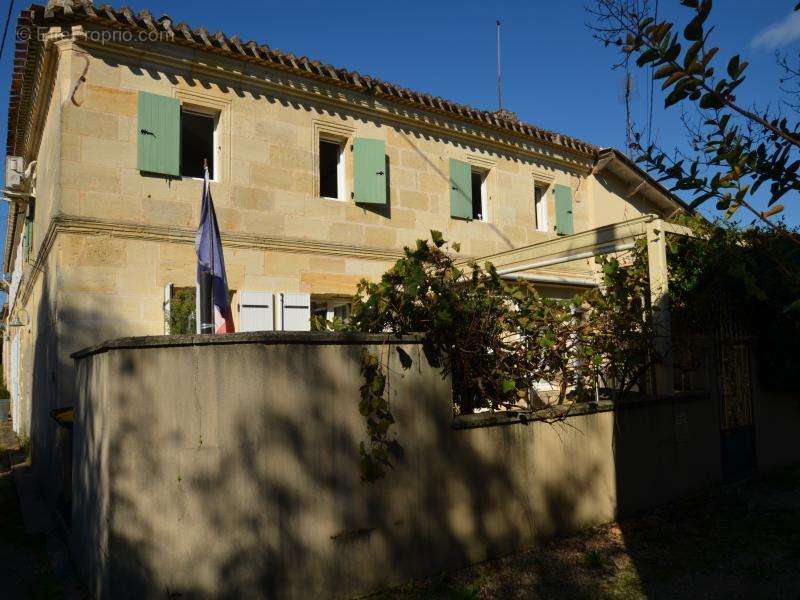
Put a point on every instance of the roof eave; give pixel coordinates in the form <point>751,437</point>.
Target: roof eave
<point>622,166</point>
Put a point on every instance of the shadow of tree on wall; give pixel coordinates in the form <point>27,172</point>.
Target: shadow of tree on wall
<point>270,504</point>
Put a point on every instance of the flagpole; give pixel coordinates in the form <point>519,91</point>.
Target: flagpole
<point>206,282</point>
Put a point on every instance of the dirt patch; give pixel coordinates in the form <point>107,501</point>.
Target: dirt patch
<point>733,542</point>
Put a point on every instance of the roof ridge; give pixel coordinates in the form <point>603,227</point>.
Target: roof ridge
<point>221,43</point>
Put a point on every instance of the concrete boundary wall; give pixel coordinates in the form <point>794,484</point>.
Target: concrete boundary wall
<point>211,466</point>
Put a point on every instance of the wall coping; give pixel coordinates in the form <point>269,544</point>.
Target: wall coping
<point>262,337</point>
<point>560,412</point>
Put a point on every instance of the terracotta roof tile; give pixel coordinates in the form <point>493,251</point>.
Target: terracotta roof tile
<point>220,43</point>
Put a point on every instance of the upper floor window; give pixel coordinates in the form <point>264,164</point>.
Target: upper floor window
<point>540,207</point>
<point>197,143</point>
<point>174,138</point>
<point>331,169</point>
<point>479,212</point>
<point>469,199</point>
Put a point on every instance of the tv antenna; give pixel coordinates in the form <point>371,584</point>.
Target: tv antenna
<point>499,74</point>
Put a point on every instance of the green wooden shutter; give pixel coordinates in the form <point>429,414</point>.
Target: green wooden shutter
<point>159,132</point>
<point>369,166</point>
<point>460,189</point>
<point>563,196</point>
<point>27,237</point>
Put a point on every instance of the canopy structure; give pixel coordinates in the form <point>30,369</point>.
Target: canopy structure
<point>571,255</point>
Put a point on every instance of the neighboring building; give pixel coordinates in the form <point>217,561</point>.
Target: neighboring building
<point>321,177</point>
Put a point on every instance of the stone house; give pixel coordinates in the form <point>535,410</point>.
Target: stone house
<point>320,177</point>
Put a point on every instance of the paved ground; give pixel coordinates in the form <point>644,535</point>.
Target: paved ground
<point>737,542</point>
<point>24,569</point>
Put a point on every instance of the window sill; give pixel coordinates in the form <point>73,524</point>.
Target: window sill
<point>190,178</point>
<point>452,218</point>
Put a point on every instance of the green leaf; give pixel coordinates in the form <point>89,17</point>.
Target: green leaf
<point>691,54</point>
<point>794,306</point>
<point>646,57</point>
<point>674,97</point>
<point>711,100</point>
<point>437,238</point>
<point>733,67</point>
<point>508,386</point>
<point>664,71</point>
<point>694,30</point>
<point>405,359</point>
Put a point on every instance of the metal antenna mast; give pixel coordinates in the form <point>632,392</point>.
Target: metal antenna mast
<point>499,77</point>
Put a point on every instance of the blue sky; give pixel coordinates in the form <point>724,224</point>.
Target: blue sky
<point>555,74</point>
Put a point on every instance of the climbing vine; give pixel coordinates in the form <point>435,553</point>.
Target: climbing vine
<point>498,340</point>
<point>751,277</point>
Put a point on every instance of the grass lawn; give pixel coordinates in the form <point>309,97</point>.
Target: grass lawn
<point>733,542</point>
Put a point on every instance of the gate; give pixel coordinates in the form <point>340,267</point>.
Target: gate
<point>735,385</point>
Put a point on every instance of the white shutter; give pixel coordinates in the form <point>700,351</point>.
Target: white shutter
<point>256,311</point>
<point>296,312</point>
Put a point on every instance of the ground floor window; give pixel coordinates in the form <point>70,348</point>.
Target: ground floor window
<point>328,309</point>
<point>180,314</point>
<point>180,309</point>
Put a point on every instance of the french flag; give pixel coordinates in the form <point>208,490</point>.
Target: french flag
<point>208,246</point>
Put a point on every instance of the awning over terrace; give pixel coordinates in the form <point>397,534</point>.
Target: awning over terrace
<point>569,261</point>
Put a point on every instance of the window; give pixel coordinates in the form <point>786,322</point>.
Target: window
<point>331,169</point>
<point>479,195</point>
<point>197,143</point>
<point>331,308</point>
<point>175,137</point>
<point>179,310</point>
<point>540,207</point>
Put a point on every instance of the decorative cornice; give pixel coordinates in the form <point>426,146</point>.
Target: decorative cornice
<point>179,235</point>
<point>73,225</point>
<point>181,35</point>
<point>375,106</point>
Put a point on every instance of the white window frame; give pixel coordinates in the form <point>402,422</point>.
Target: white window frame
<point>205,111</point>
<point>484,174</point>
<point>209,104</point>
<point>331,304</point>
<point>341,134</point>
<point>541,208</point>
<point>485,166</point>
<point>340,167</point>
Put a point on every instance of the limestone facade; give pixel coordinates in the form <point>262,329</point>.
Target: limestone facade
<point>108,238</point>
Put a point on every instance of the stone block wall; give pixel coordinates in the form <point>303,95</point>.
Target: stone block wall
<point>212,466</point>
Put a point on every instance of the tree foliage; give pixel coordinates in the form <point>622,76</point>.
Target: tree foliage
<point>497,339</point>
<point>733,151</point>
<point>750,277</point>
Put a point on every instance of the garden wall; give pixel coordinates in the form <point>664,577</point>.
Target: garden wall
<point>228,465</point>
